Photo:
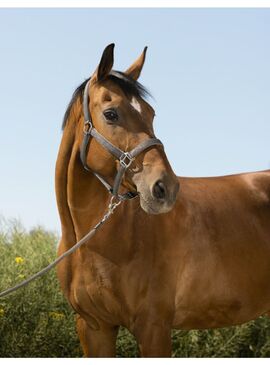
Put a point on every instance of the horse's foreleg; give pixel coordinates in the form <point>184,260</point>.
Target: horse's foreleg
<point>97,343</point>
<point>154,340</point>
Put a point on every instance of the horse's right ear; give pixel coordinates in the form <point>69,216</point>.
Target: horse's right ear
<point>105,64</point>
<point>135,69</point>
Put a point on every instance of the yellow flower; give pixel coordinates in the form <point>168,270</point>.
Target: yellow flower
<point>56,315</point>
<point>2,312</point>
<point>19,260</point>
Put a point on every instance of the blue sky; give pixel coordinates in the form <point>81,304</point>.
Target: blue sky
<point>208,70</point>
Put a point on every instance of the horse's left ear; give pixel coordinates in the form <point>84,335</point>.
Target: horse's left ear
<point>105,64</point>
<point>135,69</point>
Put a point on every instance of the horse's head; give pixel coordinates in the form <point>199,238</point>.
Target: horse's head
<point>120,113</point>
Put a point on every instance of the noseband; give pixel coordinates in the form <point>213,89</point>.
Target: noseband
<point>125,158</point>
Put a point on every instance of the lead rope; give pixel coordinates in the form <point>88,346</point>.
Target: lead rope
<point>112,206</point>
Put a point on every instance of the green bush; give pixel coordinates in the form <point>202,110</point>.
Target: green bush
<point>36,321</point>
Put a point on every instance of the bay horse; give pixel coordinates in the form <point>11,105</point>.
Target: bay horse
<point>194,259</point>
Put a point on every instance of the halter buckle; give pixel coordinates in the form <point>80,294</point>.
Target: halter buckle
<point>126,160</point>
<point>87,127</point>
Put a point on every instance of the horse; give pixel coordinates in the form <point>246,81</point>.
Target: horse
<point>194,257</point>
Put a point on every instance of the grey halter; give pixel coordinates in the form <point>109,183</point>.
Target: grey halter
<point>125,158</point>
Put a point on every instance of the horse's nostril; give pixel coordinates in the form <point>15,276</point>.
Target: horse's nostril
<point>159,191</point>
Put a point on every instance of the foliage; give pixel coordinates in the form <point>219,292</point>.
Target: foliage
<point>36,321</point>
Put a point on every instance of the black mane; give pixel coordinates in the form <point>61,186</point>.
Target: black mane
<point>128,85</point>
<point>77,93</point>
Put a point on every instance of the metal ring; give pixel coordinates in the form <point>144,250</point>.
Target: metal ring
<point>87,127</point>
<point>126,160</point>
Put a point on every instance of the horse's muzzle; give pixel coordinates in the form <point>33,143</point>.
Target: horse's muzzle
<point>161,197</point>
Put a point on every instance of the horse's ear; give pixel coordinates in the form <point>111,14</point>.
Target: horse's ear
<point>135,69</point>
<point>105,64</point>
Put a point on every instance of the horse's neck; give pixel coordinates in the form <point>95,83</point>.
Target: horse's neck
<point>87,197</point>
<point>81,198</point>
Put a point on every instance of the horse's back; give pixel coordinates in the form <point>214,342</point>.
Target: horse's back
<point>239,193</point>
<point>226,250</point>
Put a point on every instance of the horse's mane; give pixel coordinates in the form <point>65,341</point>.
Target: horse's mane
<point>128,85</point>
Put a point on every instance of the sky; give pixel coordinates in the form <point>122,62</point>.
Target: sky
<point>207,69</point>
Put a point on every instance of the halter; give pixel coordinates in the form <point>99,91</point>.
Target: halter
<point>125,158</point>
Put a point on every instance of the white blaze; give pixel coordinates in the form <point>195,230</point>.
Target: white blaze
<point>136,105</point>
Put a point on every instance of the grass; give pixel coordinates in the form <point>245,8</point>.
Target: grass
<point>37,321</point>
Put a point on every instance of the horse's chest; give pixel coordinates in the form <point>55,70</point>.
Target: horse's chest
<point>110,292</point>
<point>98,289</point>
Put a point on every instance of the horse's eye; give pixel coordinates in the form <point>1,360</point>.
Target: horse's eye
<point>111,115</point>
